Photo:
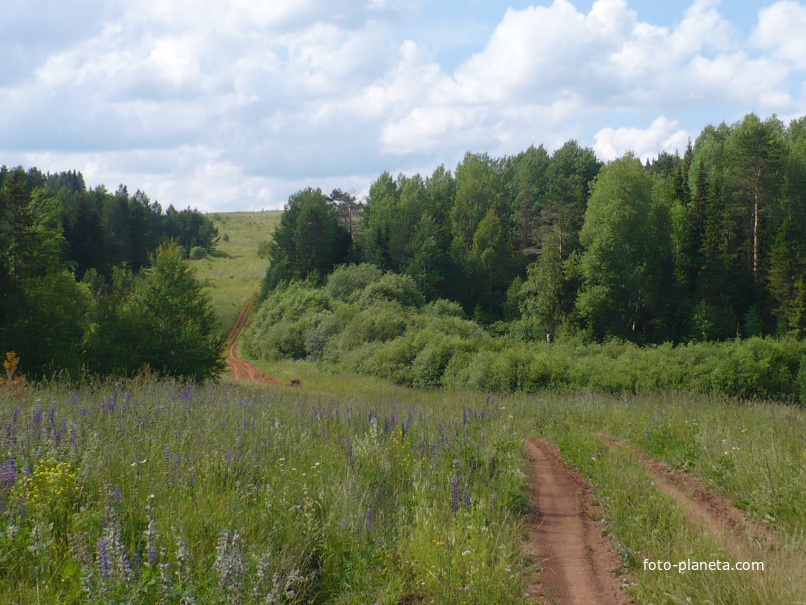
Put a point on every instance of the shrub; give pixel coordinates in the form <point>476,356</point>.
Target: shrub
<point>444,308</point>
<point>347,282</point>
<point>380,322</point>
<point>431,362</point>
<point>393,360</point>
<point>197,253</point>
<point>394,288</point>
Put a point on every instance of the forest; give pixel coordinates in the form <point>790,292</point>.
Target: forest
<point>707,246</point>
<point>96,281</point>
<point>556,270</point>
<point>534,248</point>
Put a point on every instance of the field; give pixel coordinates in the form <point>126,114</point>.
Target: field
<point>234,270</point>
<point>154,492</point>
<point>349,489</point>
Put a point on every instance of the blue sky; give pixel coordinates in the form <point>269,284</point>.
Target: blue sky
<point>236,104</point>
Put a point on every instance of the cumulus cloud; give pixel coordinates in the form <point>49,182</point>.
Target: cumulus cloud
<point>662,135</point>
<point>236,103</point>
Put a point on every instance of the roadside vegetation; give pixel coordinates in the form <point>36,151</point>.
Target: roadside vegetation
<point>375,323</point>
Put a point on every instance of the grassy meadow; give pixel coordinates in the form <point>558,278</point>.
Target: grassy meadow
<point>234,270</point>
<point>146,491</point>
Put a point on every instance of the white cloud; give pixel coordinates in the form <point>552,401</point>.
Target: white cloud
<point>662,135</point>
<point>237,102</point>
<point>782,29</point>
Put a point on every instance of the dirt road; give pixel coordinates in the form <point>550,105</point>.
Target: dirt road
<point>241,369</point>
<point>578,564</point>
<point>710,511</point>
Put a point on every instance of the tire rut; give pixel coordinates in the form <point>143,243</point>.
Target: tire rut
<point>704,507</point>
<point>243,369</point>
<point>577,562</point>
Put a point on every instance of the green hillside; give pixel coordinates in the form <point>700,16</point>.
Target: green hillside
<point>233,272</point>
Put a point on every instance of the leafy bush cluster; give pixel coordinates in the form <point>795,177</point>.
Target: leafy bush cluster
<point>378,324</point>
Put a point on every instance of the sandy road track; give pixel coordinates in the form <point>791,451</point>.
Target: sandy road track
<point>241,369</point>
<point>578,564</point>
<point>704,507</point>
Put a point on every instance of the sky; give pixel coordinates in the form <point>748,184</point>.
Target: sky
<point>231,105</point>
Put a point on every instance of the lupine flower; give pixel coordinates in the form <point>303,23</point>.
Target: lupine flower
<point>103,559</point>
<point>467,498</point>
<point>8,473</point>
<point>454,494</point>
<point>112,401</point>
<point>38,414</point>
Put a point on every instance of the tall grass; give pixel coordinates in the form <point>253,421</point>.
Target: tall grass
<point>151,492</point>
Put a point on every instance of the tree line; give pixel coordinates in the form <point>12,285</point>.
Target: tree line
<point>707,245</point>
<point>91,280</point>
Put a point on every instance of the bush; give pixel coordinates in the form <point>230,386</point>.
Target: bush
<point>347,282</point>
<point>197,253</point>
<point>393,288</point>
<point>428,368</point>
<point>393,360</point>
<point>381,322</point>
<point>444,308</point>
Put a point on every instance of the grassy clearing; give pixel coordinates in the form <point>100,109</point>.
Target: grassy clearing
<point>149,492</point>
<point>234,271</point>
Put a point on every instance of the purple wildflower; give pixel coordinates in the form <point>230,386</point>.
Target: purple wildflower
<point>8,473</point>
<point>103,558</point>
<point>350,452</point>
<point>112,402</point>
<point>52,415</point>
<point>455,494</point>
<point>38,414</point>
<point>467,498</point>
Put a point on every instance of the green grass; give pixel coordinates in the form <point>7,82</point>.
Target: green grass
<point>234,271</point>
<point>148,492</point>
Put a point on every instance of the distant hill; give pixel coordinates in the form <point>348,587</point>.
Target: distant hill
<point>234,270</point>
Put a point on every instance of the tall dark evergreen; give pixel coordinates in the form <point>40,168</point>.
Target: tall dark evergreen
<point>309,241</point>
